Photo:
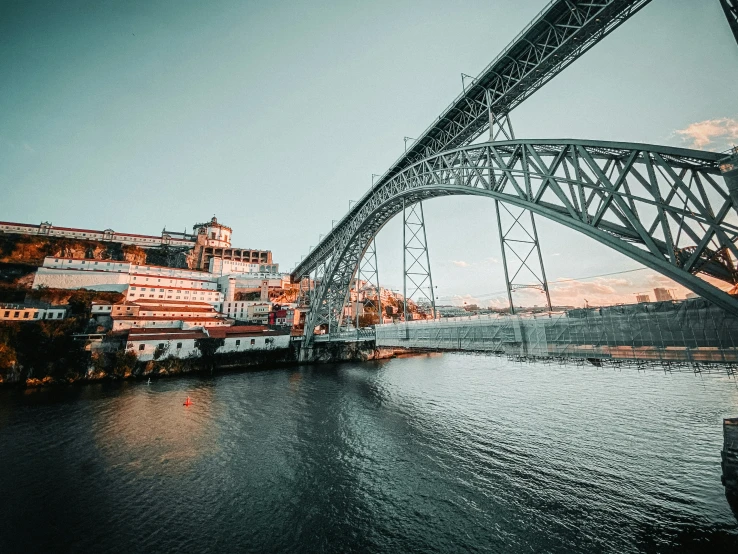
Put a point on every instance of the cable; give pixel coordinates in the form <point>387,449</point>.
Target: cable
<point>562,281</point>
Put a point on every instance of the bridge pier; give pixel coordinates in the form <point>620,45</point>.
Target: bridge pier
<point>345,351</point>
<point>730,462</point>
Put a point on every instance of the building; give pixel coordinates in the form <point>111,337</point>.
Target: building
<point>209,240</point>
<point>283,317</point>
<point>213,240</point>
<point>108,235</point>
<point>149,344</point>
<point>23,312</point>
<point>164,314</point>
<point>135,281</point>
<point>663,295</point>
<point>643,298</point>
<point>220,266</point>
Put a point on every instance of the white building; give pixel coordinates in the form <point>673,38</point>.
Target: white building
<point>21,312</point>
<point>163,314</point>
<point>148,344</point>
<point>220,266</point>
<point>108,235</point>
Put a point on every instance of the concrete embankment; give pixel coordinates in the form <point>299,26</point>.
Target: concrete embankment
<point>117,367</point>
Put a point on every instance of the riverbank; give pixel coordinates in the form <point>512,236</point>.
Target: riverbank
<point>121,366</point>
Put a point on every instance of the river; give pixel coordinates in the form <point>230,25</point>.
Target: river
<point>451,453</point>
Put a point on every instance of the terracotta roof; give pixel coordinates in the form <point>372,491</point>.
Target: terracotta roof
<point>177,309</point>
<point>150,331</point>
<point>161,335</point>
<point>244,331</point>
<point>146,302</point>
<point>161,318</point>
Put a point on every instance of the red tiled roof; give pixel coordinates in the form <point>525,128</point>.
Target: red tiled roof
<point>160,335</point>
<point>161,318</point>
<point>176,309</point>
<point>144,302</point>
<point>150,331</point>
<point>245,331</point>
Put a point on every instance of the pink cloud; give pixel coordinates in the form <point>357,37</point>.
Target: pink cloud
<point>700,134</point>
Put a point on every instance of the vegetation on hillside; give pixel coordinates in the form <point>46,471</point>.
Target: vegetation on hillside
<point>32,249</point>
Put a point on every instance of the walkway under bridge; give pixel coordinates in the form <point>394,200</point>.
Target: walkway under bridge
<point>692,331</point>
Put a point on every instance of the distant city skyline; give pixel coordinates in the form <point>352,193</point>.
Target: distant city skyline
<point>138,116</point>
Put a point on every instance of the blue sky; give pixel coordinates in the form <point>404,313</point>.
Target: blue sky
<point>273,115</point>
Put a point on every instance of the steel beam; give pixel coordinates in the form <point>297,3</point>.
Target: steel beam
<point>730,7</point>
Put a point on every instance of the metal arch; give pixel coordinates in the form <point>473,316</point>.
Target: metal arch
<point>666,208</point>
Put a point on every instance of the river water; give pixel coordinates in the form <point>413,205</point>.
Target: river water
<point>448,453</point>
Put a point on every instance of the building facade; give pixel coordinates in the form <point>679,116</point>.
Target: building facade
<point>108,235</point>
<point>23,312</point>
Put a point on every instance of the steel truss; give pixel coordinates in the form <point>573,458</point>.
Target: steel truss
<point>519,244</point>
<point>562,31</point>
<point>557,36</point>
<point>667,208</point>
<point>521,252</point>
<point>730,7</point>
<point>415,260</point>
<point>367,290</point>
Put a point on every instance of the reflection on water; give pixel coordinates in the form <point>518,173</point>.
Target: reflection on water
<point>444,453</point>
<point>152,432</point>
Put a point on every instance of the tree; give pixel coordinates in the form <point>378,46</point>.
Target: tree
<point>207,347</point>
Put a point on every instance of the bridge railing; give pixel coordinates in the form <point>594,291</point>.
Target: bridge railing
<point>691,331</point>
<point>364,334</point>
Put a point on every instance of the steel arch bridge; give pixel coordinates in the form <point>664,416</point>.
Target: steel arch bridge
<point>667,208</point>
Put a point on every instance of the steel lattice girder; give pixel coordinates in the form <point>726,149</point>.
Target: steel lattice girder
<point>667,208</point>
<point>562,31</point>
<point>730,7</point>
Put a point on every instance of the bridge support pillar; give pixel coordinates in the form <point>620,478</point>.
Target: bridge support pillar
<point>730,462</point>
<point>417,279</point>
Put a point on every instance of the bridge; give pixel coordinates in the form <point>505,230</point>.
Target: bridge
<point>673,210</point>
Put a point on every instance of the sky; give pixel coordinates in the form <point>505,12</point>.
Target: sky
<point>140,115</point>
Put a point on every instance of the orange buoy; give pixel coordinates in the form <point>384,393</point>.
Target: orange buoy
<point>187,402</point>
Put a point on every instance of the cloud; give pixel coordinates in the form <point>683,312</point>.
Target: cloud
<point>702,133</point>
<point>460,263</point>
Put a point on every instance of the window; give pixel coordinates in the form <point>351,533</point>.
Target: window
<point>69,262</point>
<point>179,345</point>
<point>6,314</point>
<point>16,314</point>
<point>238,342</point>
<point>36,314</point>
<point>161,345</point>
<point>143,288</point>
<point>25,315</point>
<point>58,316</point>
<point>253,341</point>
<point>141,347</point>
<point>133,288</point>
